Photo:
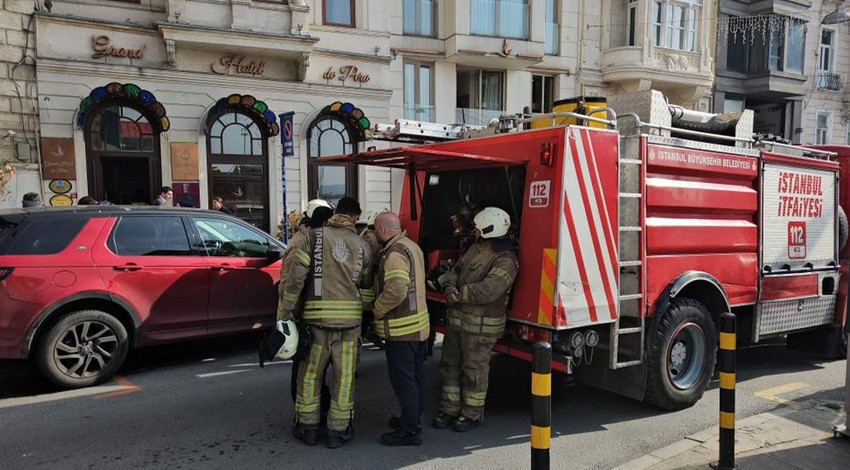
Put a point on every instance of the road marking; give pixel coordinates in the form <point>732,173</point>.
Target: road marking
<point>771,393</point>
<point>129,387</point>
<point>216,374</point>
<point>48,397</point>
<point>248,364</point>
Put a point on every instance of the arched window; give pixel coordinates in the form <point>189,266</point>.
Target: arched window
<point>122,153</point>
<point>330,136</point>
<point>238,167</point>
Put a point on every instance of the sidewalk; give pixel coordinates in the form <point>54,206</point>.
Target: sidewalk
<point>797,436</point>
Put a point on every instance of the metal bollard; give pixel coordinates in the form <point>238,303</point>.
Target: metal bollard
<point>541,405</point>
<point>726,362</point>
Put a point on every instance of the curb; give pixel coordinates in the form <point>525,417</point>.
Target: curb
<point>711,434</point>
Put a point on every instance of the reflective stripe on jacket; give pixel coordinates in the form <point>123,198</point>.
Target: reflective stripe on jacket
<point>401,312</point>
<point>483,278</point>
<point>338,264</point>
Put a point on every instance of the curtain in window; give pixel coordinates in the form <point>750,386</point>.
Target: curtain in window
<point>796,46</point>
<point>483,17</point>
<point>338,11</point>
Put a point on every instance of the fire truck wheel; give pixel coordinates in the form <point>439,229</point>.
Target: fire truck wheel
<point>681,356</point>
<point>843,227</point>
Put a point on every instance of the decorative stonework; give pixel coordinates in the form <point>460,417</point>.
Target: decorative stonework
<point>677,62</point>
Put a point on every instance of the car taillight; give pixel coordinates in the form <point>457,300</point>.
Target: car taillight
<point>4,272</point>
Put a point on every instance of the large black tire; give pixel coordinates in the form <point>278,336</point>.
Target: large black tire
<point>83,348</point>
<point>681,355</point>
<point>843,227</point>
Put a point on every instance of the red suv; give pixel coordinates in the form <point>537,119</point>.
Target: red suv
<point>80,286</point>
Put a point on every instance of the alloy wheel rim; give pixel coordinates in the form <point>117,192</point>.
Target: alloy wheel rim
<point>85,349</point>
<point>686,356</point>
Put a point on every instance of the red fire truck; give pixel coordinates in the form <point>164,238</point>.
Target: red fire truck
<point>635,233</point>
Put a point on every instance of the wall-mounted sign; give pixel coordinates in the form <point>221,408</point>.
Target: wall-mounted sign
<point>60,186</point>
<point>236,64</point>
<point>57,159</point>
<point>184,161</point>
<point>346,72</point>
<point>61,200</point>
<point>103,47</point>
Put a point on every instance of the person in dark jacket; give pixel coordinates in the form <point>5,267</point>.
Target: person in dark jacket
<point>32,200</point>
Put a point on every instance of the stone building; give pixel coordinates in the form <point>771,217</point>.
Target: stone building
<point>778,59</point>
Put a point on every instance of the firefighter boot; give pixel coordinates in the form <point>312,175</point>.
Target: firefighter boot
<point>308,434</point>
<point>443,420</point>
<point>337,438</point>
<point>464,424</point>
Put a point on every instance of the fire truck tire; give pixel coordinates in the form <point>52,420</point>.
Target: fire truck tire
<point>681,356</point>
<point>843,227</point>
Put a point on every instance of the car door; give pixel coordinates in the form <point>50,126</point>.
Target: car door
<point>148,262</point>
<point>243,280</point>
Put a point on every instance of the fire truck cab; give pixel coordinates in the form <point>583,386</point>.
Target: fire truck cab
<point>637,226</point>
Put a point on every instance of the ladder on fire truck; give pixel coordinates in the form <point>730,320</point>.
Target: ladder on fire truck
<point>630,321</point>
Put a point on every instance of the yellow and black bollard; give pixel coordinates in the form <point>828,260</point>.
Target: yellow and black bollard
<point>541,405</point>
<point>726,363</point>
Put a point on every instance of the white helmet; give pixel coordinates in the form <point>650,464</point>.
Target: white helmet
<point>492,222</point>
<point>314,204</point>
<point>374,215</point>
<point>290,345</point>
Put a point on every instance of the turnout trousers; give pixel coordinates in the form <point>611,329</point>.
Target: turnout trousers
<point>341,349</point>
<point>465,370</point>
<point>406,367</point>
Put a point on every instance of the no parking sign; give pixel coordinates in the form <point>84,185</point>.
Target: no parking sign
<point>286,134</point>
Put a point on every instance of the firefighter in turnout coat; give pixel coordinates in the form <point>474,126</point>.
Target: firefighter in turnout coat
<point>329,277</point>
<point>401,318</point>
<point>318,212</point>
<point>477,290</point>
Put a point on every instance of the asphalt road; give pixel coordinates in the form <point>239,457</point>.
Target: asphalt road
<point>207,405</point>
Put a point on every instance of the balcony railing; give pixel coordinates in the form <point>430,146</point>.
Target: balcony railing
<point>420,18</point>
<point>476,117</point>
<point>552,39</point>
<point>419,113</point>
<point>500,18</point>
<point>828,81</point>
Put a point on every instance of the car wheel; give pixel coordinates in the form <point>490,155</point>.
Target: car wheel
<point>681,357</point>
<point>82,349</point>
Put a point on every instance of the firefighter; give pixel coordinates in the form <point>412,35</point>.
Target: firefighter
<point>329,274</point>
<point>477,290</point>
<point>317,213</point>
<point>401,319</point>
<point>368,295</point>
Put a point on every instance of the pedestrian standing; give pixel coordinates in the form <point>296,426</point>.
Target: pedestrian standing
<point>330,276</point>
<point>165,196</point>
<point>31,200</point>
<point>477,290</point>
<point>401,319</point>
<point>218,205</point>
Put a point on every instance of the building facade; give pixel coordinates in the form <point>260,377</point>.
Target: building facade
<point>777,59</point>
<point>236,98</point>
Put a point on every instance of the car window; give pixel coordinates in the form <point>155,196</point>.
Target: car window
<point>220,237</point>
<point>42,237</point>
<point>150,236</point>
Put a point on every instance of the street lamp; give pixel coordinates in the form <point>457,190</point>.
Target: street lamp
<point>836,17</point>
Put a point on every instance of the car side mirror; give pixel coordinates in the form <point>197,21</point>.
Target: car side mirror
<point>274,253</point>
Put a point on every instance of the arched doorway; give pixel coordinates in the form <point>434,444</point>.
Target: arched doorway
<point>338,129</point>
<point>238,129</point>
<point>122,124</point>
